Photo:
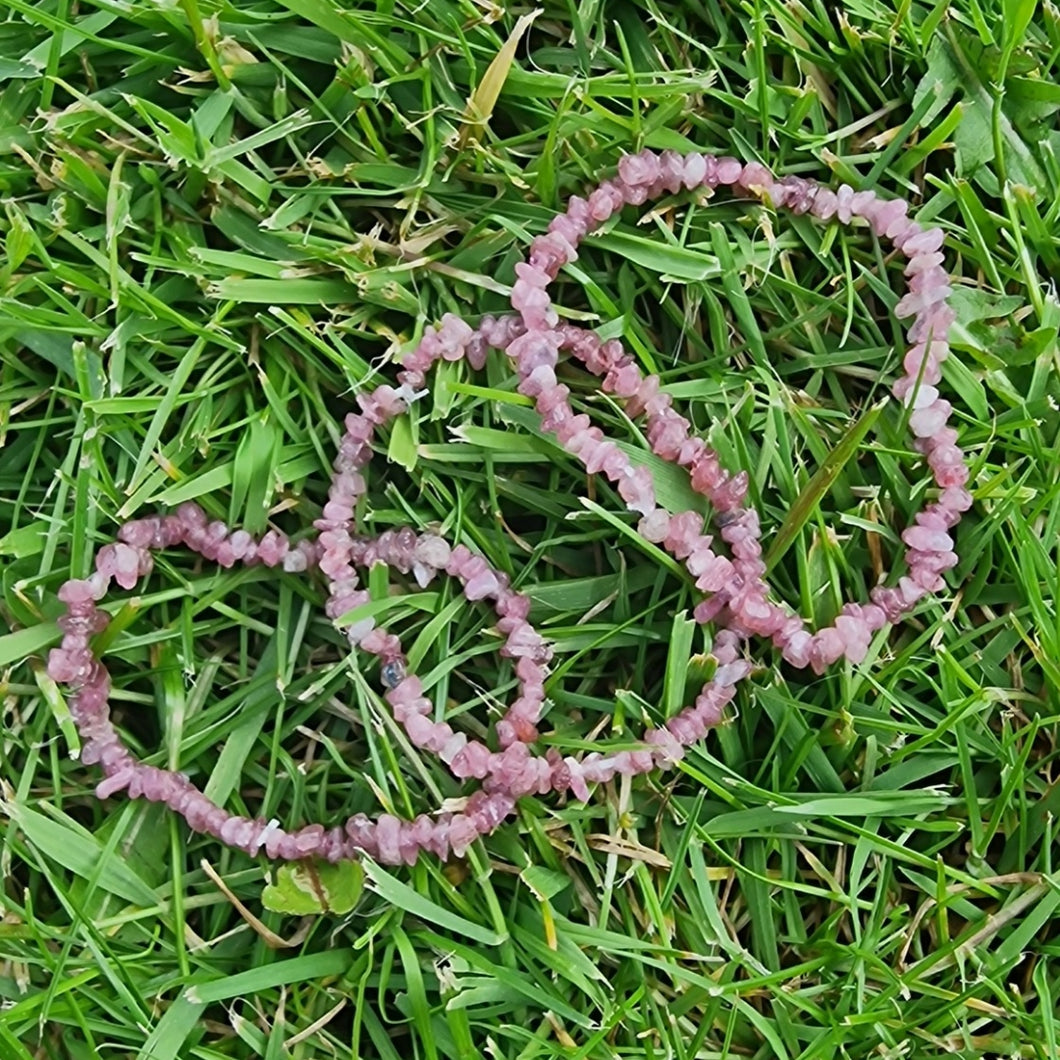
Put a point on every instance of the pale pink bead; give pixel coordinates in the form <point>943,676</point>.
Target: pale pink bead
<point>887,213</point>
<point>671,171</point>
<point>732,673</point>
<point>947,437</point>
<point>924,262</point>
<point>534,349</point>
<point>928,580</point>
<point>695,169</point>
<point>388,839</point>
<point>648,390</point>
<point>541,380</point>
<point>933,517</point>
<point>925,242</point>
<point>637,490</point>
<point>683,532</point>
<point>615,464</point>
<point>600,208</point>
<point>583,440</point>
<point>272,548</point>
<point>944,455</point>
<point>481,585</point>
<point>856,637</point>
<point>828,646</point>
<point>560,422</point>
<point>567,228</point>
<point>225,555</point>
<point>825,204</point>
<point>433,551</point>
<point>956,499</point>
<point>638,169</point>
<point>915,396</point>
<point>191,515</point>
<point>759,615</point>
<point>707,473</point>
<point>797,649</point>
<point>666,436</point>
<point>900,230</point>
<point>623,381</point>
<point>534,304</point>
<point>927,540</point>
<point>936,562</point>
<point>454,331</point>
<point>665,749</point>
<point>754,176</point>
<point>526,641</point>
<point>635,195</point>
<point>952,475</point>
<point>801,194</point>
<point>691,451</point>
<point>844,199</point>
<point>713,573</point>
<point>930,279</point>
<point>122,562</point>
<point>462,833</point>
<point>548,254</point>
<point>335,511</point>
<point>728,170</point>
<point>927,421</point>
<point>595,459</point>
<point>77,591</point>
<point>139,533</point>
<point>730,493</point>
<point>864,204</point>
<point>116,782</point>
<point>927,356</point>
<point>655,526</point>
<point>920,301</point>
<point>515,605</point>
<point>66,667</point>
<point>934,324</point>
<point>578,211</point>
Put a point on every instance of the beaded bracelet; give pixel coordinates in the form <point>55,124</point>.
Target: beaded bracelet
<point>736,596</point>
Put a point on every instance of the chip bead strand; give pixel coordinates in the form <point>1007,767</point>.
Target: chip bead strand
<point>736,596</point>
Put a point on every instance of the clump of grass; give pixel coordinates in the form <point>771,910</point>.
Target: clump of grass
<point>220,220</point>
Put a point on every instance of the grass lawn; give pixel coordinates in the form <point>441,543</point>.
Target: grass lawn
<point>219,221</point>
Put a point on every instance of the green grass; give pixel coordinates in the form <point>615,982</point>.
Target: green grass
<point>219,221</point>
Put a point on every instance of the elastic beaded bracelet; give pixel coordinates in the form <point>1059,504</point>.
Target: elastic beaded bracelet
<point>736,596</point>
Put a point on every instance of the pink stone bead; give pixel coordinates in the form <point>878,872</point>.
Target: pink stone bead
<point>481,585</point>
<point>77,591</point>
<point>927,421</point>
<point>828,646</point>
<point>934,324</point>
<point>825,204</point>
<point>844,199</point>
<point>927,540</point>
<point>683,532</point>
<point>924,242</point>
<point>914,395</point>
<point>754,175</point>
<point>951,475</point>
<point>923,262</point>
<point>728,170</point>
<point>888,213</point>
<point>639,169</point>
<point>956,499</point>
<point>655,526</point>
<point>637,490</point>
<point>695,170</point>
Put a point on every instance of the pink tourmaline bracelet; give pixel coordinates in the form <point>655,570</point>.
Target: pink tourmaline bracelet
<point>736,597</point>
